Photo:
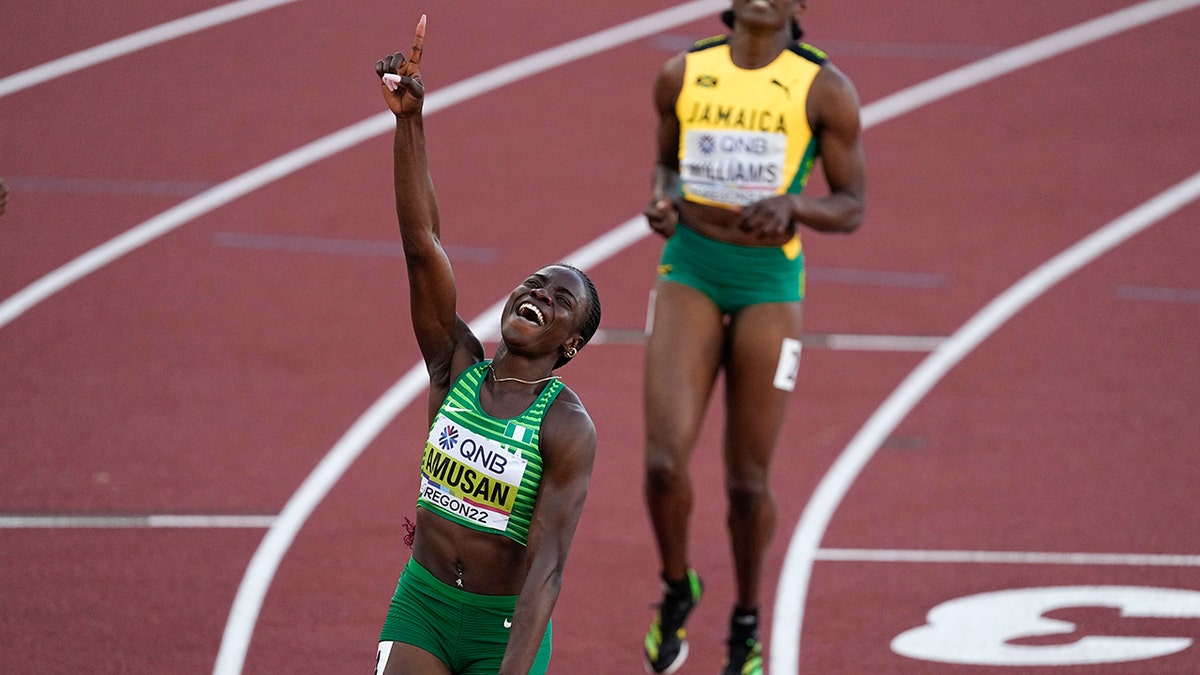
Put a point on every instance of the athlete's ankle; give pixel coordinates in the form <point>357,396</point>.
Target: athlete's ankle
<point>743,623</point>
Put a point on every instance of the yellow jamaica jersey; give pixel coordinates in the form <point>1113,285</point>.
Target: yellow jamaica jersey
<point>744,134</point>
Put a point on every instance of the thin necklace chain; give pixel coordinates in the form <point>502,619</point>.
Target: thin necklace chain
<point>517,379</point>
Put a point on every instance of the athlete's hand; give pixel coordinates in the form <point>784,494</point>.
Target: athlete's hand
<point>662,216</point>
<point>400,77</point>
<point>769,218</point>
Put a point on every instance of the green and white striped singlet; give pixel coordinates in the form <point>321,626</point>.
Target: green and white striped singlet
<point>480,471</point>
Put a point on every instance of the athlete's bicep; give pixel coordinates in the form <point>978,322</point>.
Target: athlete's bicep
<point>667,87</point>
<point>836,119</point>
<point>568,455</point>
<point>446,342</point>
<point>432,295</point>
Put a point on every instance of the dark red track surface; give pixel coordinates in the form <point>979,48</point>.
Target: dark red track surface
<point>200,375</point>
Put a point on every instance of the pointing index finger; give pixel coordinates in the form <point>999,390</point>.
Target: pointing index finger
<point>418,42</point>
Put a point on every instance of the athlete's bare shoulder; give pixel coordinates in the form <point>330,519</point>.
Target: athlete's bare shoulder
<point>833,100</point>
<point>568,425</point>
<point>669,82</point>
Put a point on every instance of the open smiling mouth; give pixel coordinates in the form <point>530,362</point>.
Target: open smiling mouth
<point>531,312</point>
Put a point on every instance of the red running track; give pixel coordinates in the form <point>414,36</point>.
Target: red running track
<point>210,371</point>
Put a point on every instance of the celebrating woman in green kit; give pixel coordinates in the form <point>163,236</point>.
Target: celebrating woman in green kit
<point>510,448</point>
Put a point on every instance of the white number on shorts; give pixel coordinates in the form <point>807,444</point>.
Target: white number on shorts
<point>381,657</point>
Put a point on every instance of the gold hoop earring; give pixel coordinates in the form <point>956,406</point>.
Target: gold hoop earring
<point>571,352</point>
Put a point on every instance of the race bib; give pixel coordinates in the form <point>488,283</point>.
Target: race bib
<point>469,476</point>
<point>733,167</point>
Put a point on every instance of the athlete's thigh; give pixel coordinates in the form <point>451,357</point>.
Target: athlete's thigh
<point>399,658</point>
<point>683,353</point>
<point>760,372</point>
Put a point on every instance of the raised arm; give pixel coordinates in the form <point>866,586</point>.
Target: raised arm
<point>568,445</point>
<point>439,331</point>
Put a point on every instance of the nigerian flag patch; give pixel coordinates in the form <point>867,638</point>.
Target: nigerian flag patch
<point>518,433</point>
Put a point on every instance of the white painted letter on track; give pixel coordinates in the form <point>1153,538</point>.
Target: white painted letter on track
<point>978,629</point>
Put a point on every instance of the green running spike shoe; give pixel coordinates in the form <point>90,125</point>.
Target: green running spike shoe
<point>666,642</point>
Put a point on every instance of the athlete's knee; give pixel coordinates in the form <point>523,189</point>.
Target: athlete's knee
<point>665,473</point>
<point>748,494</point>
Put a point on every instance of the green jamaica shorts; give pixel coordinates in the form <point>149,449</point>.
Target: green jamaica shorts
<point>733,276</point>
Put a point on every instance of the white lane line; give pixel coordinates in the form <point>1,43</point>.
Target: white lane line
<point>133,42</point>
<point>797,566</point>
<point>1019,57</point>
<point>883,343</point>
<point>792,591</point>
<point>1007,557</point>
<point>832,341</point>
<point>153,520</point>
<point>339,141</point>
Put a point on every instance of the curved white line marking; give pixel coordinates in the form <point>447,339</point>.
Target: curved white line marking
<point>133,42</point>
<point>1009,557</point>
<point>803,548</point>
<point>791,594</point>
<point>261,570</point>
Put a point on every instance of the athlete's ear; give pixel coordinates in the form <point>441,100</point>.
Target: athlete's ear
<point>571,347</point>
<point>799,9</point>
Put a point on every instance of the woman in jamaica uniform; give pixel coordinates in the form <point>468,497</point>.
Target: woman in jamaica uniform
<point>742,120</point>
<point>510,450</point>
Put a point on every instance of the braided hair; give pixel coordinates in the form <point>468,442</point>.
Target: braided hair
<point>592,321</point>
